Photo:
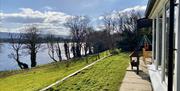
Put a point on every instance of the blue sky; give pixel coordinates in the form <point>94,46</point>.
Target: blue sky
<point>50,14</point>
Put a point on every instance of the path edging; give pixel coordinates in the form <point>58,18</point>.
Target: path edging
<point>53,84</point>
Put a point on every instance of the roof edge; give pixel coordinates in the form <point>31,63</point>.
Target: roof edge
<point>149,7</point>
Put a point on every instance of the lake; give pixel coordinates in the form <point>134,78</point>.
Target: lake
<point>7,63</point>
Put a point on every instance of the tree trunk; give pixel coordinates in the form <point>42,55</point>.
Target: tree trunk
<point>20,64</point>
<point>68,53</point>
<point>59,52</point>
<point>73,49</point>
<point>66,48</point>
<point>23,65</point>
<point>90,50</point>
<point>85,49</point>
<point>78,51</point>
<point>51,55</point>
<point>33,57</point>
<point>17,59</point>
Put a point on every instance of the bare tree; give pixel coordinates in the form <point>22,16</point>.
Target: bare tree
<point>122,24</point>
<point>127,21</point>
<point>58,51</point>
<point>77,25</point>
<point>73,49</point>
<point>16,45</point>
<point>110,26</point>
<point>66,49</point>
<point>32,44</point>
<point>88,40</point>
<point>126,25</point>
<point>99,41</point>
<point>53,48</point>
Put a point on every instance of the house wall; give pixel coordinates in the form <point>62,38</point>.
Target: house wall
<point>158,75</point>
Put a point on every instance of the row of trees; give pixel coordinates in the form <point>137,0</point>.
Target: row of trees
<point>79,27</point>
<point>29,43</point>
<point>119,31</point>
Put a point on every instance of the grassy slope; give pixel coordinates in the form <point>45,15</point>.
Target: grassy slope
<point>39,77</point>
<point>106,75</point>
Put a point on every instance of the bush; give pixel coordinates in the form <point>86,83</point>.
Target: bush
<point>115,51</point>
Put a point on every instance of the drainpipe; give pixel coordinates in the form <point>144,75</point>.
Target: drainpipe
<point>153,33</point>
<point>163,45</point>
<point>157,44</point>
<point>171,46</point>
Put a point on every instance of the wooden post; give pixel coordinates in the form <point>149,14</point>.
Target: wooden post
<point>138,64</point>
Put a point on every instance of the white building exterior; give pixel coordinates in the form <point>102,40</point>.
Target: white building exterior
<point>158,11</point>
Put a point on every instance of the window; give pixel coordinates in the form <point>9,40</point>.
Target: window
<point>160,39</point>
<point>166,41</point>
<point>167,15</point>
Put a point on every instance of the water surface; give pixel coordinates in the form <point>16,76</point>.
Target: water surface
<point>7,63</point>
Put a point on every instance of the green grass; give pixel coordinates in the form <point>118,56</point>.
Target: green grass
<point>41,76</point>
<point>106,75</point>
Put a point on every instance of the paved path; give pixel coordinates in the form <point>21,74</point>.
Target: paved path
<point>134,82</point>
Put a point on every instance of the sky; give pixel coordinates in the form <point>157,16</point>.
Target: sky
<point>50,15</point>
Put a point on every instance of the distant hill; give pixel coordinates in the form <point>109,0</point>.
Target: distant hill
<point>4,36</point>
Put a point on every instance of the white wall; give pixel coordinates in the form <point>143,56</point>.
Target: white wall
<point>154,15</point>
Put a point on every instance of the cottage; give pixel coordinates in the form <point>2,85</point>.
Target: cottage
<point>165,45</point>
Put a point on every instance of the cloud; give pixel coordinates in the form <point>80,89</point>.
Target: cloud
<point>47,8</point>
<point>27,15</point>
<point>94,3</point>
<point>46,21</point>
<point>135,8</point>
<point>113,14</point>
<point>101,17</point>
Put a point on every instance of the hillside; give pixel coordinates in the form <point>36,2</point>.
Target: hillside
<point>42,76</point>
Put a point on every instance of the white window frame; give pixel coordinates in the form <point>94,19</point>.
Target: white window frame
<point>177,61</point>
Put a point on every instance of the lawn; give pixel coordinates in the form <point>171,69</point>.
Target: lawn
<point>42,76</point>
<point>106,75</point>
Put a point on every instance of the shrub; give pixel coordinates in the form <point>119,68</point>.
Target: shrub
<point>115,51</point>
